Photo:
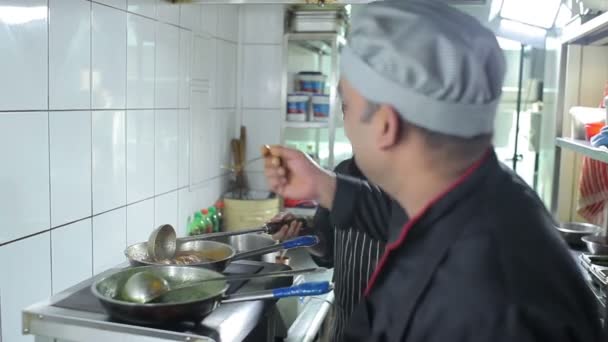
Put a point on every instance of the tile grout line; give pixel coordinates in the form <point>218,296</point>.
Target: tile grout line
<point>103,212</point>
<point>11,111</point>
<point>126,121</point>
<point>91,127</point>
<point>48,122</point>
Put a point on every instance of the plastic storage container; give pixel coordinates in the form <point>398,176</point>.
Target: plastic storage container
<point>320,107</point>
<point>311,82</point>
<point>297,107</point>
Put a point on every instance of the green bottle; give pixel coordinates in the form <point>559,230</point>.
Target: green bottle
<point>208,223</point>
<point>214,219</point>
<point>197,223</point>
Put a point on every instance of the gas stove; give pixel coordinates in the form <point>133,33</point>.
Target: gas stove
<point>76,315</point>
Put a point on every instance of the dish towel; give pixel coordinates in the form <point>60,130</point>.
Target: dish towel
<point>593,187</point>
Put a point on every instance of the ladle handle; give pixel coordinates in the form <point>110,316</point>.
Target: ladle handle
<point>302,290</point>
<point>302,241</point>
<point>270,228</point>
<point>223,234</point>
<point>254,276</point>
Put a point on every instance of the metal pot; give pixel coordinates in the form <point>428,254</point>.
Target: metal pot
<point>596,244</point>
<point>218,254</point>
<point>572,232</point>
<point>189,304</point>
<point>250,242</point>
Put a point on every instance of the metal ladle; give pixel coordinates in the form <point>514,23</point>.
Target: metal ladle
<point>144,287</point>
<point>162,243</point>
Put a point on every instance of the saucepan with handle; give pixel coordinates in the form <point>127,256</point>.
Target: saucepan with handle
<point>189,304</point>
<point>211,254</point>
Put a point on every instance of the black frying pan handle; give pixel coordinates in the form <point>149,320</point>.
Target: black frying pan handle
<point>274,227</point>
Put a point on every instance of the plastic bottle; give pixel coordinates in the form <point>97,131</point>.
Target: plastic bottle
<point>213,218</point>
<point>207,222</point>
<point>197,223</point>
<point>219,205</point>
<point>189,226</point>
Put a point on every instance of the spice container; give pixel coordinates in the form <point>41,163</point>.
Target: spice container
<point>297,107</point>
<point>320,107</point>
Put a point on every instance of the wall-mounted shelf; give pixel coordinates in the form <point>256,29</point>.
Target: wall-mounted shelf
<point>584,148</point>
<point>306,124</point>
<point>593,32</point>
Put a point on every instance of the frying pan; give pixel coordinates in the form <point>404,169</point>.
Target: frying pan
<point>185,305</point>
<point>220,254</point>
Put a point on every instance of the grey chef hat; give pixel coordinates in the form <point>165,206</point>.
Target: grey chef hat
<point>438,67</point>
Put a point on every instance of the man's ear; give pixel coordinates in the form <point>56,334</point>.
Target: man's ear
<point>387,127</point>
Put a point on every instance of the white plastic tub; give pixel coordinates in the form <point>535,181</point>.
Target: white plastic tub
<point>320,107</point>
<point>297,107</point>
<point>311,82</point>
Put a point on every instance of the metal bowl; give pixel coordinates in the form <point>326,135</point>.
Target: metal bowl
<point>572,232</point>
<point>596,244</point>
<point>249,242</point>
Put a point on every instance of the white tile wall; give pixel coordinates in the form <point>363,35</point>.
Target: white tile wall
<point>69,54</point>
<point>165,209</point>
<point>109,160</point>
<point>183,167</point>
<point>98,123</point>
<point>109,57</point>
<point>190,17</point>
<point>225,75</point>
<point>109,239</point>
<point>24,175</point>
<point>166,151</point>
<point>70,158</point>
<point>167,12</point>
<point>264,127</point>
<point>209,19</point>
<point>71,259</point>
<point>121,4</point>
<point>140,221</point>
<point>20,289</point>
<point>142,7</point>
<point>204,58</point>
<point>23,61</point>
<point>262,76</point>
<point>268,19</point>
<point>167,66</point>
<point>262,31</point>
<point>141,50</point>
<point>227,23</point>
<point>140,155</point>
<point>185,67</point>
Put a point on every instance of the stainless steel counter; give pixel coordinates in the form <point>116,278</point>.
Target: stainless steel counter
<point>230,322</point>
<point>305,316</point>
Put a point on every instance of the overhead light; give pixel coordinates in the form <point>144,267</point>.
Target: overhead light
<point>14,15</point>
<point>523,33</point>
<point>539,13</point>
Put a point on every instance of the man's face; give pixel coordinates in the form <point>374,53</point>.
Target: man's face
<point>360,130</point>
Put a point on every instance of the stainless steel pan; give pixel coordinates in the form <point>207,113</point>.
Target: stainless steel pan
<point>188,304</point>
<point>218,254</point>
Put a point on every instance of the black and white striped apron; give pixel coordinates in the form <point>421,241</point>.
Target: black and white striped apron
<point>355,258</point>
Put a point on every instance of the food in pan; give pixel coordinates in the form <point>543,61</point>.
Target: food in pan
<point>195,257</point>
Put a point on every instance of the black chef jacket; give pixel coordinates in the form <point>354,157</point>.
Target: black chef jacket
<point>483,262</point>
<point>350,251</point>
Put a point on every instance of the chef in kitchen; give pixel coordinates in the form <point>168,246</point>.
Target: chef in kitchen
<point>353,251</point>
<point>479,259</point>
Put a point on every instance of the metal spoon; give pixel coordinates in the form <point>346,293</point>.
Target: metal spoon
<point>144,287</point>
<point>162,243</point>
